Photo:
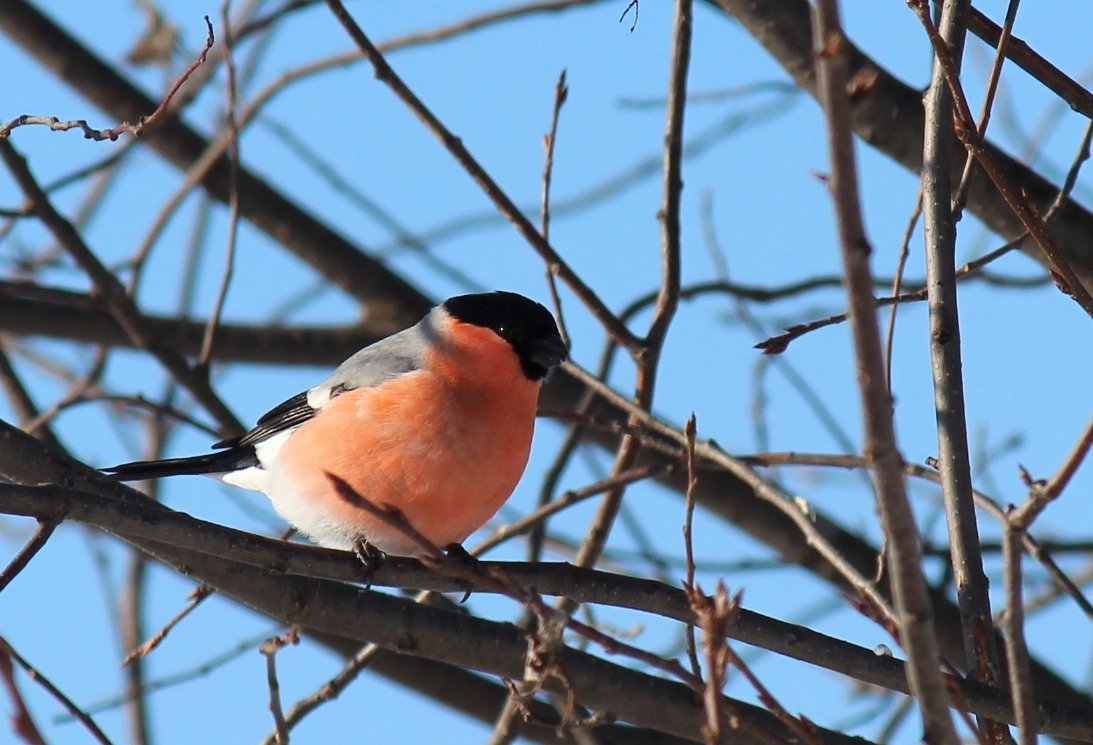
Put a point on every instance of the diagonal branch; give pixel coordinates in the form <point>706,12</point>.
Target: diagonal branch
<point>888,114</point>
<point>481,177</point>
<point>114,296</point>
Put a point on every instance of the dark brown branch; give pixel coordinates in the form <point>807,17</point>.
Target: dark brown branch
<point>148,521</point>
<point>1068,89</point>
<point>31,310</point>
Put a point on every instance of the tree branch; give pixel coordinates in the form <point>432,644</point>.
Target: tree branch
<point>904,555</point>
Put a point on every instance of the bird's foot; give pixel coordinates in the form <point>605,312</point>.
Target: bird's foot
<point>456,552</point>
<point>370,557</point>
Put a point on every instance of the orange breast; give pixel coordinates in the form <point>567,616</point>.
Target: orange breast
<point>446,455</point>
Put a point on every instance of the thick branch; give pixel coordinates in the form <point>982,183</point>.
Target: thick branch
<point>141,520</point>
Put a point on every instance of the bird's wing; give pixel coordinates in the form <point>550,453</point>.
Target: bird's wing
<point>377,363</point>
<point>286,415</point>
<point>370,367</point>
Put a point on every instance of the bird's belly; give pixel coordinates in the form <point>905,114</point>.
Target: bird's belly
<point>444,462</point>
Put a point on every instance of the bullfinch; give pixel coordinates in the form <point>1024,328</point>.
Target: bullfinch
<point>434,421</point>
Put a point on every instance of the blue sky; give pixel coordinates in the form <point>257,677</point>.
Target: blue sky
<point>1027,353</point>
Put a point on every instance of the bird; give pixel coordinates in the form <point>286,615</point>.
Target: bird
<point>433,423</point>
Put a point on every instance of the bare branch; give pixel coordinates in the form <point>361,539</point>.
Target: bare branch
<point>114,296</point>
<point>463,156</point>
<point>136,130</point>
<point>8,654</point>
<point>965,130</point>
<point>1020,676</point>
<point>1079,98</point>
<point>954,460</point>
<point>904,556</point>
<point>269,650</point>
<point>233,193</point>
<point>148,524</point>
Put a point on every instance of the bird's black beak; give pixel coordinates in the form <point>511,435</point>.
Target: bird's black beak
<point>547,353</point>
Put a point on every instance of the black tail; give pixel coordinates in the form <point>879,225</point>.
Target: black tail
<point>232,459</point>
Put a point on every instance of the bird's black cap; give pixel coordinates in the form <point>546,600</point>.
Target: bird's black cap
<point>523,323</point>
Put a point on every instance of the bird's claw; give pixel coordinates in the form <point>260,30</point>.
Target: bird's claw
<point>456,552</point>
<point>370,557</point>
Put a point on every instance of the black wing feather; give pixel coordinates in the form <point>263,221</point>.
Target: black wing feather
<point>286,415</point>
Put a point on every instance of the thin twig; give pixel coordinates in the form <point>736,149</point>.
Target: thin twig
<point>8,654</point>
<point>803,728</point>
<point>269,649</point>
<point>1080,157</point>
<point>689,430</point>
<point>1020,676</point>
<point>561,92</point>
<point>233,189</point>
<point>567,499</point>
<point>76,393</point>
<point>21,721</point>
<point>897,285</point>
<point>961,193</point>
<point>463,156</point>
<point>1044,493</point>
<point>29,550</point>
<point>136,130</point>
<point>197,596</point>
